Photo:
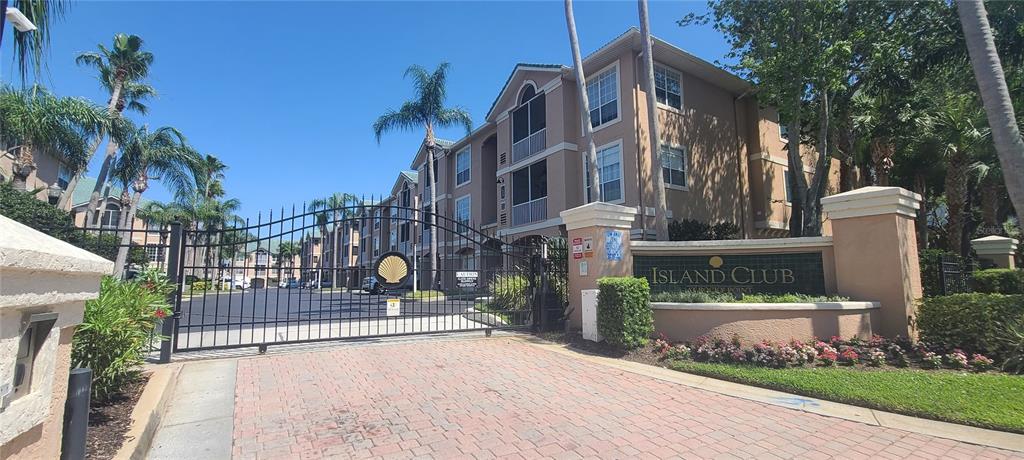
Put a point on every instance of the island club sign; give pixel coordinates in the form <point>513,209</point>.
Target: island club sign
<point>767,273</point>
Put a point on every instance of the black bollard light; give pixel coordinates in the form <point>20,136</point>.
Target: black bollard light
<point>76,414</point>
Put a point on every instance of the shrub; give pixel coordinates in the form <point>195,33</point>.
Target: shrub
<point>694,230</point>
<point>678,352</point>
<point>624,314</point>
<point>848,357</point>
<point>875,358</point>
<point>956,360</point>
<point>1011,339</point>
<point>980,363</point>
<point>998,281</point>
<point>931,360</point>
<point>117,328</point>
<point>200,285</point>
<point>970,322</point>
<point>510,292</point>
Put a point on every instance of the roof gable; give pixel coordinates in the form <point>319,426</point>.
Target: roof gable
<point>519,69</point>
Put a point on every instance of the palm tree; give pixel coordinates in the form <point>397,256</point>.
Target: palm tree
<point>30,48</point>
<point>287,250</point>
<point>124,63</point>
<point>340,206</point>
<point>132,96</point>
<point>34,120</point>
<point>210,180</point>
<point>581,93</point>
<point>661,213</point>
<point>427,110</point>
<point>161,154</point>
<point>988,71</point>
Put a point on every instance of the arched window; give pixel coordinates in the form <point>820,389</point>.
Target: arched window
<point>111,216</point>
<point>528,93</point>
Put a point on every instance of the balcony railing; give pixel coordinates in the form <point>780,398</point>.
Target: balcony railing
<point>531,211</point>
<point>532,145</point>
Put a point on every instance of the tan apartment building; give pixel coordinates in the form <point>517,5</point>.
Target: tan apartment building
<point>723,156</point>
<point>50,171</point>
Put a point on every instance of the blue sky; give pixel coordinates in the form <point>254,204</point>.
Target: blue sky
<point>285,93</point>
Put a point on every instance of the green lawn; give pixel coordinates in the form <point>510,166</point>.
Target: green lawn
<point>985,400</point>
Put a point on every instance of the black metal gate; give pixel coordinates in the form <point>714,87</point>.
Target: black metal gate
<point>313,275</point>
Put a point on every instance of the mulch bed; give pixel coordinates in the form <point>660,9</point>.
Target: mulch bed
<point>643,355</point>
<point>109,421</point>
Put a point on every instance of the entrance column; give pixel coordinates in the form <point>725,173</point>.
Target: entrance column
<point>598,247</point>
<point>876,252</point>
<point>999,250</point>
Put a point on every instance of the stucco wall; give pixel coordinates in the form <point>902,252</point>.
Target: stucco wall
<point>753,326</point>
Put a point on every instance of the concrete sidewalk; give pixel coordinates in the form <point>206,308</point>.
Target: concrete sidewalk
<point>200,416</point>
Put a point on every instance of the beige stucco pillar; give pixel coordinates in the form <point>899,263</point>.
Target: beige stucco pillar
<point>44,284</point>
<point>999,250</point>
<point>876,252</point>
<point>598,247</point>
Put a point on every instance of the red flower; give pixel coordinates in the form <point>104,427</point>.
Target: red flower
<point>161,314</point>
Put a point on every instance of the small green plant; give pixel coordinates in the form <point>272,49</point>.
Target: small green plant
<point>998,281</point>
<point>624,314</point>
<point>510,292</point>
<point>1012,341</point>
<point>116,329</point>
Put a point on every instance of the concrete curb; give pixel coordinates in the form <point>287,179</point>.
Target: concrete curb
<point>963,433</point>
<point>148,412</point>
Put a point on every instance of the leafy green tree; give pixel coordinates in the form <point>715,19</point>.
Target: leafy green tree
<point>34,120</point>
<point>427,111</point>
<point>124,63</point>
<point>161,154</point>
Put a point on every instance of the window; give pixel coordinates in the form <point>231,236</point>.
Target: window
<point>603,95</point>
<point>609,163</point>
<point>155,253</point>
<point>530,117</point>
<point>393,239</point>
<point>462,210</point>
<point>404,232</point>
<point>463,161</point>
<point>786,176</point>
<point>673,165</point>
<point>530,183</point>
<point>667,88</point>
<point>63,177</point>
<point>406,195</point>
<point>111,216</point>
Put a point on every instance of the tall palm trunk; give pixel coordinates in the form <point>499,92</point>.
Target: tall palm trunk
<point>23,165</point>
<point>120,265</point>
<point>661,213</point>
<point>956,197</point>
<point>988,71</point>
<point>435,280</point>
<point>581,91</point>
<point>990,205</point>
<point>335,250</point>
<point>69,191</point>
<point>92,215</point>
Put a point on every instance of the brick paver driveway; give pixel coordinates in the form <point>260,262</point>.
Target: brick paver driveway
<point>501,398</point>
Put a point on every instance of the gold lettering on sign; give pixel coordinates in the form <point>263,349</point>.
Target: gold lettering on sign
<point>738,275</point>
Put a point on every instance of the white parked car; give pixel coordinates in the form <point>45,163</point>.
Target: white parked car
<point>234,283</point>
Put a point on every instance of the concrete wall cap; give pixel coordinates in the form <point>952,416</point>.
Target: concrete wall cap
<point>994,244</point>
<point>598,214</point>
<point>23,248</point>
<point>871,201</point>
<point>808,306</point>
<point>771,243</point>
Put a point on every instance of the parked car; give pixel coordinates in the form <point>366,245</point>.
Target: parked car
<point>290,283</point>
<point>234,283</point>
<point>326,283</point>
<point>371,285</point>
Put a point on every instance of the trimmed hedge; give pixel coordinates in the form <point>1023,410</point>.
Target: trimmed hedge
<point>998,281</point>
<point>974,323</point>
<point>624,314</point>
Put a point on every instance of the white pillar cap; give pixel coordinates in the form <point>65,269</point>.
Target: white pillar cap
<point>994,245</point>
<point>871,201</point>
<point>598,214</point>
